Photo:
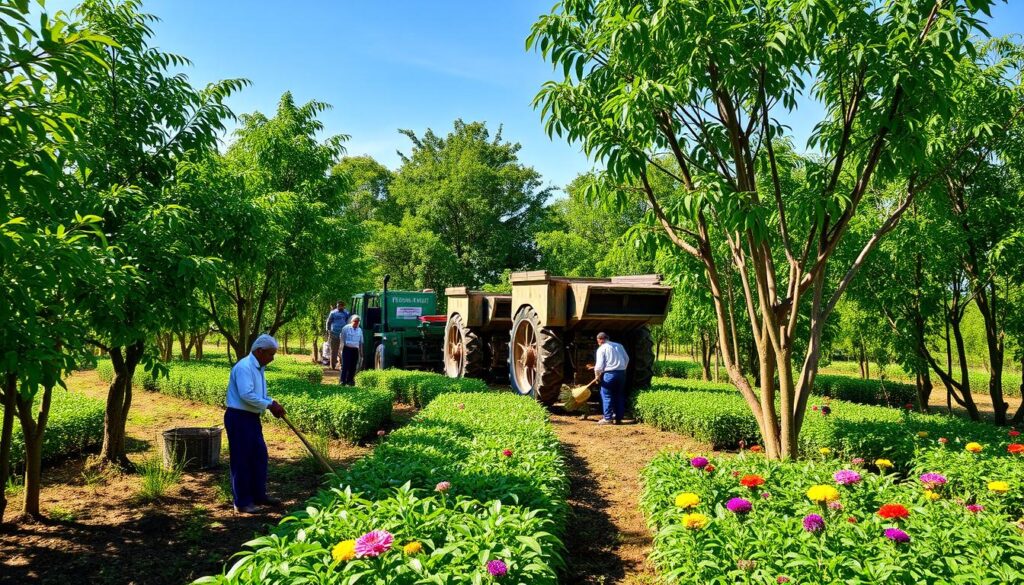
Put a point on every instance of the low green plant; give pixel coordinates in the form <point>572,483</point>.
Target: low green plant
<point>156,478</point>
<point>61,514</point>
<point>416,388</point>
<point>505,499</point>
<point>75,425</point>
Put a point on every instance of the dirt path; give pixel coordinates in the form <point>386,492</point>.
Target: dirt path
<point>607,539</point>
<point>99,531</point>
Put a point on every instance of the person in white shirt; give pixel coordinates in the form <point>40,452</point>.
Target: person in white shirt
<point>247,398</point>
<point>610,370</point>
<point>352,338</point>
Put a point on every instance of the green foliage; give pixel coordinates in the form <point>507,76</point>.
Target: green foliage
<point>416,388</point>
<point>157,479</point>
<point>509,508</point>
<point>75,426</point>
<point>948,544</point>
<point>678,369</point>
<point>717,414</point>
<point>881,392</point>
<point>330,410</point>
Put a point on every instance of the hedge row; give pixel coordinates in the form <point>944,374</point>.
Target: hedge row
<point>74,425</point>
<point>416,388</point>
<point>679,369</point>
<point>750,520</point>
<point>475,479</point>
<point>329,410</point>
<point>720,416</point>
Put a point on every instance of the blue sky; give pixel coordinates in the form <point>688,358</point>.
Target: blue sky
<point>413,64</point>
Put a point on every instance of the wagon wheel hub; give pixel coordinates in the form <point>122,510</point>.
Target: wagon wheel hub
<point>529,359</point>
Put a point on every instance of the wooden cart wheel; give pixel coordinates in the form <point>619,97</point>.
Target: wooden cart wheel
<point>536,358</point>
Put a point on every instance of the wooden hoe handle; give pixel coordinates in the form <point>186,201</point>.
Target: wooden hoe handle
<point>320,458</point>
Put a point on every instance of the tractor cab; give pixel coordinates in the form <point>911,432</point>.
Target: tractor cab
<point>400,329</point>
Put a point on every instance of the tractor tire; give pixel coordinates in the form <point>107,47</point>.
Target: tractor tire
<point>465,355</point>
<point>536,361</point>
<point>642,358</point>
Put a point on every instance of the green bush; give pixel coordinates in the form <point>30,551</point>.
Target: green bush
<point>948,543</point>
<point>74,425</point>
<point>881,392</point>
<point>336,411</point>
<point>718,415</point>
<point>510,508</point>
<point>416,388</point>
<point>678,369</point>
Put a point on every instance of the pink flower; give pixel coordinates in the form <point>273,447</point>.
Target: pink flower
<point>497,568</point>
<point>381,433</point>
<point>782,579</point>
<point>1014,433</point>
<point>943,440</point>
<point>374,544</point>
<point>975,508</point>
<point>443,487</point>
<point>835,506</point>
<point>857,460</point>
<point>507,452</point>
<point>699,462</point>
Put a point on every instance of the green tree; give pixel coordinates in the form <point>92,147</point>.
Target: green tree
<point>472,192</point>
<point>414,256</point>
<point>370,198</point>
<point>705,81</point>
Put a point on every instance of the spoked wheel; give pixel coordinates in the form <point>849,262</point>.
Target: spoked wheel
<point>463,351</point>
<point>536,358</point>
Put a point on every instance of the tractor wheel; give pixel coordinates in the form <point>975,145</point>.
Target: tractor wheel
<point>464,351</point>
<point>642,358</point>
<point>536,358</point>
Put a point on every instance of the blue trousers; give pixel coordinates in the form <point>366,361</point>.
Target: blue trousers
<point>349,363</point>
<point>248,452</point>
<point>613,394</point>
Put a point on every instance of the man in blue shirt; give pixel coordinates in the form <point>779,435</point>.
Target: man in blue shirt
<point>247,398</point>
<point>352,336</point>
<point>610,370</point>
<point>336,320</point>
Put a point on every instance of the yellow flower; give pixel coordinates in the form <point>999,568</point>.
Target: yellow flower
<point>823,493</point>
<point>413,548</point>
<point>883,463</point>
<point>695,521</point>
<point>687,500</point>
<point>922,434</point>
<point>931,495</point>
<point>974,447</point>
<point>824,450</point>
<point>344,551</point>
<point>999,487</point>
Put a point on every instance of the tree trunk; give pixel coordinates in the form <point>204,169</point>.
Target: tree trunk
<point>860,361</point>
<point>6,437</point>
<point>316,348</point>
<point>924,389</point>
<point>119,401</point>
<point>985,300</point>
<point>32,429</point>
<point>965,379</point>
<point>285,345</point>
<point>198,340</point>
<point>705,357</point>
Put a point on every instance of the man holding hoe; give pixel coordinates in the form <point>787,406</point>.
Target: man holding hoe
<point>610,373</point>
<point>247,398</point>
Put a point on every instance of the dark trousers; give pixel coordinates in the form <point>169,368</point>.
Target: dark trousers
<point>335,344</point>
<point>349,363</point>
<point>613,394</point>
<point>248,453</point>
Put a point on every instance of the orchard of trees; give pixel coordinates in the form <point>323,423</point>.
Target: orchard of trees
<point>140,214</point>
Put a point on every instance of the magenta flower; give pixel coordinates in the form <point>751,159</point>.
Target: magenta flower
<point>507,452</point>
<point>975,508</point>
<point>846,477</point>
<point>814,523</point>
<point>896,535</point>
<point>374,544</point>
<point>699,462</point>
<point>857,461</point>
<point>933,480</point>
<point>497,568</point>
<point>766,495</point>
<point>835,505</point>
<point>739,506</point>
<point>782,579</point>
<point>826,410</point>
<point>443,487</point>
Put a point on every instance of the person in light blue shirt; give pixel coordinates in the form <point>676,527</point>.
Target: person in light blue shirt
<point>246,400</point>
<point>336,321</point>
<point>352,337</point>
<point>610,369</point>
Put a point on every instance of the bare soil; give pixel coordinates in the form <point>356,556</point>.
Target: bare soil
<point>98,529</point>
<point>607,539</point>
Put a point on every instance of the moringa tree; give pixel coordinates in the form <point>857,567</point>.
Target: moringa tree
<point>705,82</point>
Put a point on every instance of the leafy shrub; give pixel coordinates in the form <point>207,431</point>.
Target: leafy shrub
<point>948,543</point>
<point>331,410</point>
<point>416,388</point>
<point>717,414</point>
<point>678,369</point>
<point>510,508</point>
<point>882,392</point>
<point>75,424</point>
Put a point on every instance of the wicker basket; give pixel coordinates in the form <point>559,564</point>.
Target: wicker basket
<point>192,447</point>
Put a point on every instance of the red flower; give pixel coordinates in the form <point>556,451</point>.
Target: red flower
<point>943,440</point>
<point>751,481</point>
<point>851,520</point>
<point>507,452</point>
<point>1015,449</point>
<point>709,468</point>
<point>1014,433</point>
<point>756,449</point>
<point>893,511</point>
<point>908,406</point>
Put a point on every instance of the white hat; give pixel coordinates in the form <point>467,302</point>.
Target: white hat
<point>264,342</point>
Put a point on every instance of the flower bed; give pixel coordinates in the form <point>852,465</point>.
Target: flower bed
<point>720,416</point>
<point>473,489</point>
<point>955,519</point>
<point>329,410</point>
<point>416,388</point>
<point>74,425</point>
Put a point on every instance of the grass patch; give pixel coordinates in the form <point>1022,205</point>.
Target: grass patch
<point>156,479</point>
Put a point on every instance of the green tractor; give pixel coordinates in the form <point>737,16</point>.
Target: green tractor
<point>400,329</point>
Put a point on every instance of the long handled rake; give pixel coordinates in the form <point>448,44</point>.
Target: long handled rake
<point>316,454</point>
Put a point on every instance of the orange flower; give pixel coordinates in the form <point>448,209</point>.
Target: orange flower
<point>1015,449</point>
<point>893,511</point>
<point>756,449</point>
<point>751,481</point>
